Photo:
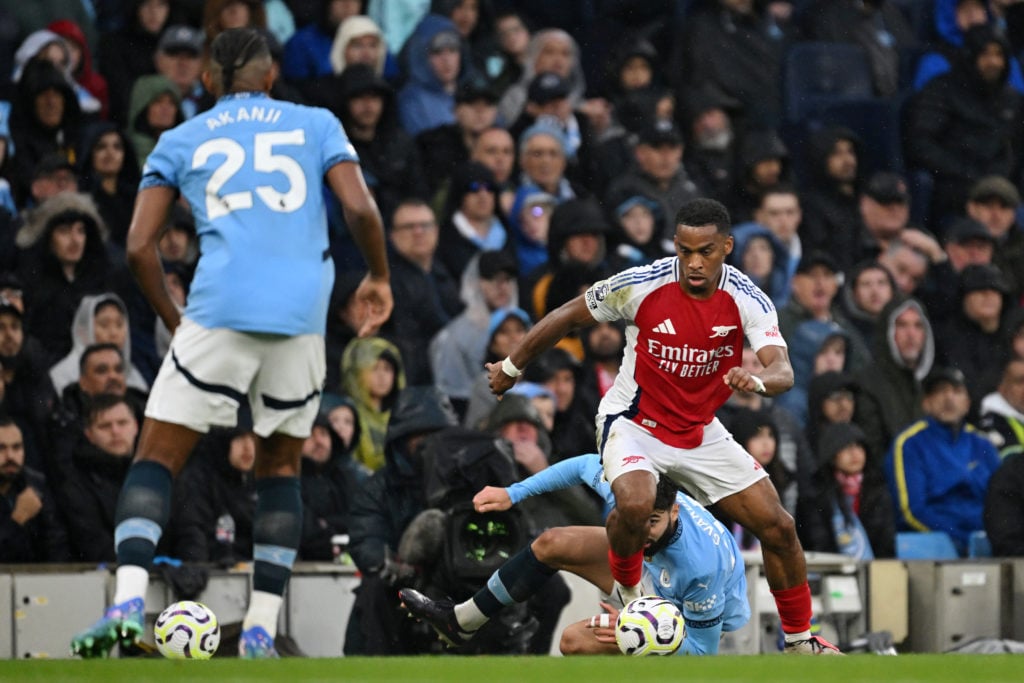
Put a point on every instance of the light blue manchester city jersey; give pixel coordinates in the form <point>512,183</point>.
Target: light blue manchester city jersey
<point>701,569</point>
<point>252,170</point>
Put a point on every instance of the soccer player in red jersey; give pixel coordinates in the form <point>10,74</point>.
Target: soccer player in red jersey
<point>686,320</point>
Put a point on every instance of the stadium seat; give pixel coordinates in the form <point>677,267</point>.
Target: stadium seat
<point>925,545</point>
<point>817,74</point>
<point>978,545</point>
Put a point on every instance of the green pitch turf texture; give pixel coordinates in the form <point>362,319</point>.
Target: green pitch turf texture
<point>762,669</point>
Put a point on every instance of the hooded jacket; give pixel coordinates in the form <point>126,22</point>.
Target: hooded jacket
<point>757,146</point>
<point>66,371</point>
<point>457,351</point>
<point>513,101</point>
<point>390,162</point>
<point>776,283</point>
<point>86,76</point>
<point>32,139</point>
<point>124,56</point>
<point>818,389</point>
<point>51,300</point>
<point>745,425</point>
<point>144,92</point>
<point>328,488</point>
<point>891,394</point>
<point>862,323</point>
<point>359,357</point>
<point>356,27</point>
<point>423,103</point>
<point>942,52</point>
<point>116,208</point>
<point>831,218</point>
<point>961,128</point>
<point>875,511</point>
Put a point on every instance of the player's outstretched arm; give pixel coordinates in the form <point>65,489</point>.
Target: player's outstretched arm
<point>363,219</point>
<point>151,208</point>
<point>569,316</point>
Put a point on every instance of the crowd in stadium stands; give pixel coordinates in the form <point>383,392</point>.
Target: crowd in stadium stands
<point>869,151</point>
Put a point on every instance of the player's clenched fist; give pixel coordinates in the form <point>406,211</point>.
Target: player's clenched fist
<point>491,498</point>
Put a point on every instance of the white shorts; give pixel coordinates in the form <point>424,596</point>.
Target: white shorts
<point>713,470</point>
<point>208,372</point>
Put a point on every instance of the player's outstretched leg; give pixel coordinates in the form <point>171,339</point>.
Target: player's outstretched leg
<point>515,581</point>
<point>276,532</point>
<point>142,511</point>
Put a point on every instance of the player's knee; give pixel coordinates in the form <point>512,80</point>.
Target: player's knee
<point>636,511</point>
<point>549,546</point>
<point>780,531</point>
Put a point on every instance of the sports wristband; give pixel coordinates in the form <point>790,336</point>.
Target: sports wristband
<point>758,384</point>
<point>512,371</point>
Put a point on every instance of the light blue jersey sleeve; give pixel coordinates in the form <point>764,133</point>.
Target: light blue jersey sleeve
<point>583,469</point>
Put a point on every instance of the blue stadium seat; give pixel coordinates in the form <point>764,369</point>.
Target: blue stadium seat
<point>978,545</point>
<point>925,545</point>
<point>817,74</point>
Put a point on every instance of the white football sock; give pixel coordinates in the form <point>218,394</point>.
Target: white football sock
<point>132,582</point>
<point>469,616</point>
<point>263,610</point>
<point>797,637</point>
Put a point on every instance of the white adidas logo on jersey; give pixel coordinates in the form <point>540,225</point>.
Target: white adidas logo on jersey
<point>665,327</point>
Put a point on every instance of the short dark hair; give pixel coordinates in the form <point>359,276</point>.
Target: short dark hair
<point>411,203</point>
<point>100,403</point>
<point>8,421</point>
<point>665,496</point>
<point>778,188</point>
<point>703,211</point>
<point>96,348</point>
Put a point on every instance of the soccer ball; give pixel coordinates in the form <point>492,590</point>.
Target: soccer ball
<point>187,630</point>
<point>649,625</point>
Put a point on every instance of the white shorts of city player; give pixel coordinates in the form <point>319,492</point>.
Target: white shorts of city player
<point>208,372</point>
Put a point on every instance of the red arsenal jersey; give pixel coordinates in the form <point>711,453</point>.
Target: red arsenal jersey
<point>679,349</point>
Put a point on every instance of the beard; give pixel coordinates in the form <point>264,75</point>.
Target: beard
<point>662,541</point>
<point>7,476</point>
<point>715,142</point>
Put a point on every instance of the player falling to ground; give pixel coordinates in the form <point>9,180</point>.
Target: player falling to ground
<point>690,559</point>
<point>252,169</point>
<point>686,319</point>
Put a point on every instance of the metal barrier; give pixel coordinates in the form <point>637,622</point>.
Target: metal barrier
<point>928,606</point>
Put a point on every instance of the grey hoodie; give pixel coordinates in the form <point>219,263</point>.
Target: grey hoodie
<point>83,334</point>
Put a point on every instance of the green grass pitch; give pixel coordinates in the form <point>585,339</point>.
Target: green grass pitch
<point>762,669</point>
